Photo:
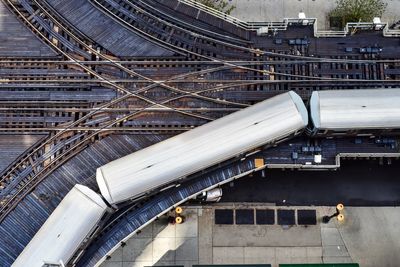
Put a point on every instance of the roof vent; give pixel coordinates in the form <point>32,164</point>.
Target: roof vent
<point>262,31</point>
<point>377,20</point>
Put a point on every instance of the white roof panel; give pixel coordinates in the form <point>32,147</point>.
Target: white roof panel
<point>65,229</point>
<point>356,109</point>
<point>202,147</point>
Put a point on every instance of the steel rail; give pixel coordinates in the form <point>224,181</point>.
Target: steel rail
<point>123,68</point>
<point>95,74</point>
<point>78,81</point>
<point>109,59</point>
<point>168,61</point>
<point>157,41</point>
<point>207,57</point>
<point>101,130</point>
<point>191,26</point>
<point>134,114</point>
<point>255,51</point>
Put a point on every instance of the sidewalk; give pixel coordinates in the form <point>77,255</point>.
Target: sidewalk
<point>368,236</point>
<point>277,10</point>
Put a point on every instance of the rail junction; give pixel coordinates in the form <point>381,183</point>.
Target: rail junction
<point>96,80</point>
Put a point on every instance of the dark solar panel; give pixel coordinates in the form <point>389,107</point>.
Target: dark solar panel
<point>245,216</point>
<point>265,216</point>
<point>307,217</point>
<point>223,216</point>
<point>286,217</point>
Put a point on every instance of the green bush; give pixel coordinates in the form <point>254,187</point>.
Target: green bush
<point>358,10</point>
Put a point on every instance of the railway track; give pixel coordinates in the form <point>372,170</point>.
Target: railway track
<point>66,30</point>
<point>211,75</point>
<point>153,24</point>
<point>73,45</point>
<point>78,143</point>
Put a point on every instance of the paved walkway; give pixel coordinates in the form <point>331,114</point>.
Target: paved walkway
<point>276,10</point>
<point>368,236</point>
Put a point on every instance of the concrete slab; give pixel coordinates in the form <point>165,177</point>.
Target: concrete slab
<point>164,249</point>
<point>331,236</point>
<point>339,260</point>
<point>269,236</point>
<point>314,252</point>
<point>259,255</point>
<point>277,10</point>
<point>314,260</point>
<point>372,235</point>
<point>116,256</point>
<point>298,252</point>
<point>190,227</point>
<point>112,264</point>
<point>228,255</point>
<point>392,13</point>
<point>369,236</point>
<point>186,249</point>
<point>334,251</point>
<point>283,260</point>
<point>136,264</point>
<point>205,226</point>
<point>138,249</point>
<point>163,263</point>
<point>146,232</point>
<point>283,255</point>
<point>298,260</point>
<point>161,228</point>
<point>186,263</point>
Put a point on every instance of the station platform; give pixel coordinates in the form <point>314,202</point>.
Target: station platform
<point>357,241</point>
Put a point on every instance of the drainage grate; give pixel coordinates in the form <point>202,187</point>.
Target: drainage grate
<point>265,216</point>
<point>286,217</point>
<point>245,216</point>
<point>307,217</point>
<point>223,216</point>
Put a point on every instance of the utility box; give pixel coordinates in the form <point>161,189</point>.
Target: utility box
<point>259,162</point>
<point>318,159</point>
<point>262,31</point>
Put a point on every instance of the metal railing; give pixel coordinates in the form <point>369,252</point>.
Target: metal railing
<point>228,18</point>
<point>337,163</point>
<point>350,27</point>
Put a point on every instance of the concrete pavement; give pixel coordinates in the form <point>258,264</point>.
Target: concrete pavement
<point>276,10</point>
<point>369,236</point>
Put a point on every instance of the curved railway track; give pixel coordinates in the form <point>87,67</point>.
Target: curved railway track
<point>68,139</point>
<point>110,60</point>
<point>137,15</point>
<point>27,184</point>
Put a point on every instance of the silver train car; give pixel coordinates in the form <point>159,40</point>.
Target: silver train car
<point>159,165</point>
<point>71,222</point>
<point>355,112</point>
<point>344,112</point>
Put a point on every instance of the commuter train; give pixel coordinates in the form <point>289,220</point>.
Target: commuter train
<point>355,112</point>
<point>342,112</point>
<point>71,222</point>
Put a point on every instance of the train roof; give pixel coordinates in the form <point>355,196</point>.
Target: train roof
<point>65,229</point>
<point>356,109</point>
<point>202,147</point>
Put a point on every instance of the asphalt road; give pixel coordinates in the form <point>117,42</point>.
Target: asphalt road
<point>357,183</point>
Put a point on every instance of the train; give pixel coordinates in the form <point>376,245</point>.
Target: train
<point>330,113</point>
<point>77,215</point>
<point>364,112</point>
